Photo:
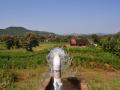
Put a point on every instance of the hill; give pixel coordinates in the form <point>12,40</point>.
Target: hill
<point>20,31</point>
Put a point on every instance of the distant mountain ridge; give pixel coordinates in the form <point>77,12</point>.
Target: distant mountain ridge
<point>20,31</point>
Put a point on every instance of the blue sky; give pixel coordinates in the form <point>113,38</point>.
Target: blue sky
<point>62,16</point>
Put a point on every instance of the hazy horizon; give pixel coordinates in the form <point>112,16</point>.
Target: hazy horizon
<point>62,16</point>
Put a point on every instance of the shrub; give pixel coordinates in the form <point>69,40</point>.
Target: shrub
<point>111,44</point>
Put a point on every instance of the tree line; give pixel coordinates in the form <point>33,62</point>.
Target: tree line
<point>28,41</point>
<point>109,43</point>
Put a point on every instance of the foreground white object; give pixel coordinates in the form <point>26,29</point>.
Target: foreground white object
<point>57,72</point>
<point>58,61</point>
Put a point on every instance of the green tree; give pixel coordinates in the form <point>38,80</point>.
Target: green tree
<point>111,44</point>
<point>31,40</point>
<point>9,42</point>
<point>17,43</point>
<point>95,38</point>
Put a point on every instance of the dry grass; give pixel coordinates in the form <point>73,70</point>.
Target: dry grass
<point>28,79</point>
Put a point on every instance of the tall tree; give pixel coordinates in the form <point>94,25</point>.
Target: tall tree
<point>9,42</point>
<point>95,38</point>
<point>17,42</point>
<point>31,40</point>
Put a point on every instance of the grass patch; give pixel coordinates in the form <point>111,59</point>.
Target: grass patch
<point>109,85</point>
<point>93,57</point>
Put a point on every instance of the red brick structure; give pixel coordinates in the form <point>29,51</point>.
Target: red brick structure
<point>73,41</point>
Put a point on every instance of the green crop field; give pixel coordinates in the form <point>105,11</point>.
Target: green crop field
<point>23,70</point>
<point>93,57</point>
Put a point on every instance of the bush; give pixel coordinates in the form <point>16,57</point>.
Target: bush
<point>111,44</point>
